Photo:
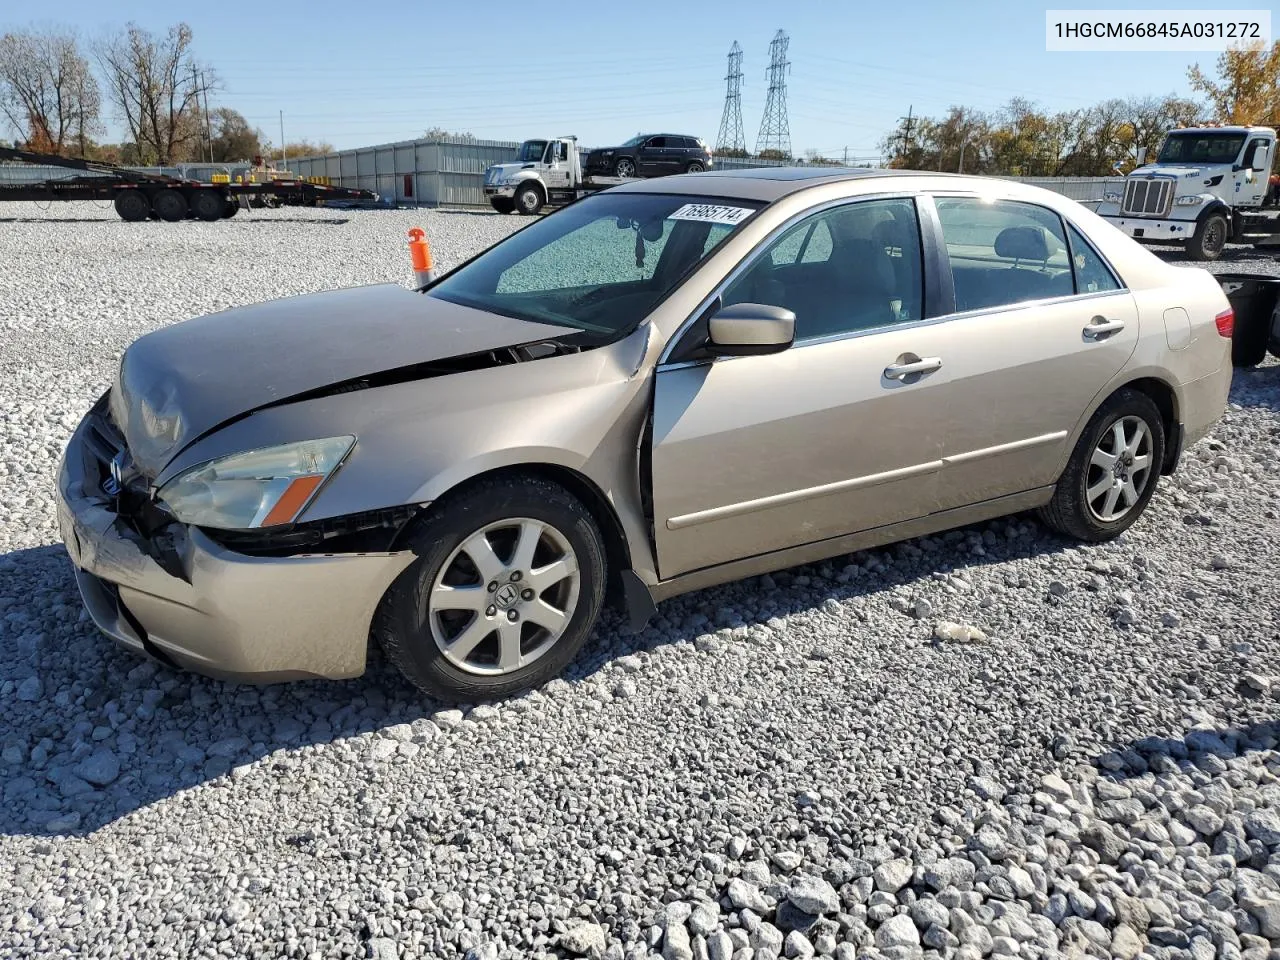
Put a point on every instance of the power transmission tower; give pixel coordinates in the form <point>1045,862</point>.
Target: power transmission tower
<point>775,129</point>
<point>731,137</point>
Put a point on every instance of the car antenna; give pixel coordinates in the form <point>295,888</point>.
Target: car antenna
<point>420,252</point>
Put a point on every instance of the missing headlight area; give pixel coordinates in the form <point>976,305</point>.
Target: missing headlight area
<point>374,531</point>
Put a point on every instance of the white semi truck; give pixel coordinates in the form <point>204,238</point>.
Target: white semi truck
<point>545,172</point>
<point>1207,187</point>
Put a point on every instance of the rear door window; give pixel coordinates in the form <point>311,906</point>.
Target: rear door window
<point>1091,272</point>
<point>1004,252</point>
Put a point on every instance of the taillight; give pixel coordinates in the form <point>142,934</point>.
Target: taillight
<point>1226,322</point>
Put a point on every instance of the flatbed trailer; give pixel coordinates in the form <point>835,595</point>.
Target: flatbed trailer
<point>140,196</point>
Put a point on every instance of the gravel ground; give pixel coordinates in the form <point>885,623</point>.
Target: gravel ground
<point>992,742</point>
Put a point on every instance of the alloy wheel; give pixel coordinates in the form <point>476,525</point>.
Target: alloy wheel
<point>1119,469</point>
<point>504,597</point>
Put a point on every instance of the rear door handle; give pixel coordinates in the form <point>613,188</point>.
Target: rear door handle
<point>908,368</point>
<point>1100,328</point>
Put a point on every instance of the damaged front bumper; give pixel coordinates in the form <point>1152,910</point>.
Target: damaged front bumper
<point>186,600</point>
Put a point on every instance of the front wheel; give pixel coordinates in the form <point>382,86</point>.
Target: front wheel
<point>1210,238</point>
<point>502,204</point>
<point>625,168</point>
<point>508,584</point>
<point>695,167</point>
<point>528,199</point>
<point>1113,470</point>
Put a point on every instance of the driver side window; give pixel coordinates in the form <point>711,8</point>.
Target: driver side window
<point>849,268</point>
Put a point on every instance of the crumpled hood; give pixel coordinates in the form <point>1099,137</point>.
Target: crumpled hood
<point>182,381</point>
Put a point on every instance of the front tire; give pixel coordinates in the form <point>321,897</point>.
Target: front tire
<point>502,204</point>
<point>625,168</point>
<point>508,584</point>
<point>1210,238</point>
<point>528,200</point>
<point>1113,471</point>
<point>695,167</point>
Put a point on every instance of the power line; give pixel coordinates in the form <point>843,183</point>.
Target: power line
<point>775,129</point>
<point>731,136</point>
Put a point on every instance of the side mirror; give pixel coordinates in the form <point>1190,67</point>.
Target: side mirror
<point>751,329</point>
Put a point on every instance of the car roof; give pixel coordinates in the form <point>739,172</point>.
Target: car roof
<point>763,183</point>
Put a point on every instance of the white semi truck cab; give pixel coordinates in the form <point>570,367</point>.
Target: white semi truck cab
<point>546,171</point>
<point>1208,186</point>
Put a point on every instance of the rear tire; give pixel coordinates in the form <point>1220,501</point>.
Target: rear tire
<point>419,631</point>
<point>1082,506</point>
<point>502,204</point>
<point>208,205</point>
<point>170,205</point>
<point>1210,238</point>
<point>231,209</point>
<point>1249,341</point>
<point>132,206</point>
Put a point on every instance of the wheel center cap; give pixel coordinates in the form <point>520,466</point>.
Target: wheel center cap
<point>507,595</point>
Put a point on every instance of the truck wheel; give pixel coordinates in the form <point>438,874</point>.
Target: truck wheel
<point>528,199</point>
<point>208,204</point>
<point>1209,239</point>
<point>132,205</point>
<point>170,206</point>
<point>231,209</point>
<point>625,168</point>
<point>1249,341</point>
<point>502,204</point>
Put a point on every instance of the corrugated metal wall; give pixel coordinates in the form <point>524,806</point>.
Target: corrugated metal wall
<point>431,172</point>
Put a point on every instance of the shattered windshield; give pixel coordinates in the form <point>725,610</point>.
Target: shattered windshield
<point>600,265</point>
<point>1202,148</point>
<point>531,151</point>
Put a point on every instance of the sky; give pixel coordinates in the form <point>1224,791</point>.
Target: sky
<point>357,74</point>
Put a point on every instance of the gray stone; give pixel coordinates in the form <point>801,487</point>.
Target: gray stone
<point>675,943</point>
<point>813,895</point>
<point>719,946</point>
<point>1264,825</point>
<point>30,689</point>
<point>1125,943</point>
<point>744,895</point>
<point>797,945</point>
<point>897,931</point>
<point>99,768</point>
<point>892,875</point>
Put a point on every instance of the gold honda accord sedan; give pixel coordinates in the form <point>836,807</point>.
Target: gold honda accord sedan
<point>663,386</point>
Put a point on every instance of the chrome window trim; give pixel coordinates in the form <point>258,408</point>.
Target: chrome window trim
<point>663,364</point>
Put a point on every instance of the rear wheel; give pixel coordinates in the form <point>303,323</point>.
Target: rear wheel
<point>1210,238</point>
<point>1112,472</point>
<point>231,209</point>
<point>208,204</point>
<point>507,586</point>
<point>170,205</point>
<point>502,204</point>
<point>528,199</point>
<point>132,205</point>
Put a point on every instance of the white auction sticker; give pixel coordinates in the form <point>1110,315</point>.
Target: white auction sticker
<point>710,213</point>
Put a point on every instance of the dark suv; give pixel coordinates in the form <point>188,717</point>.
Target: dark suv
<point>651,155</point>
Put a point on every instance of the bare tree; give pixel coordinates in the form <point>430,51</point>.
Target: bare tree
<point>155,85</point>
<point>47,92</point>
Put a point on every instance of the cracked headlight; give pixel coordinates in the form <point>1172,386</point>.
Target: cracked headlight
<point>258,488</point>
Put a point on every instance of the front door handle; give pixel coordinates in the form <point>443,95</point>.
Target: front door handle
<point>1100,328</point>
<point>915,368</point>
